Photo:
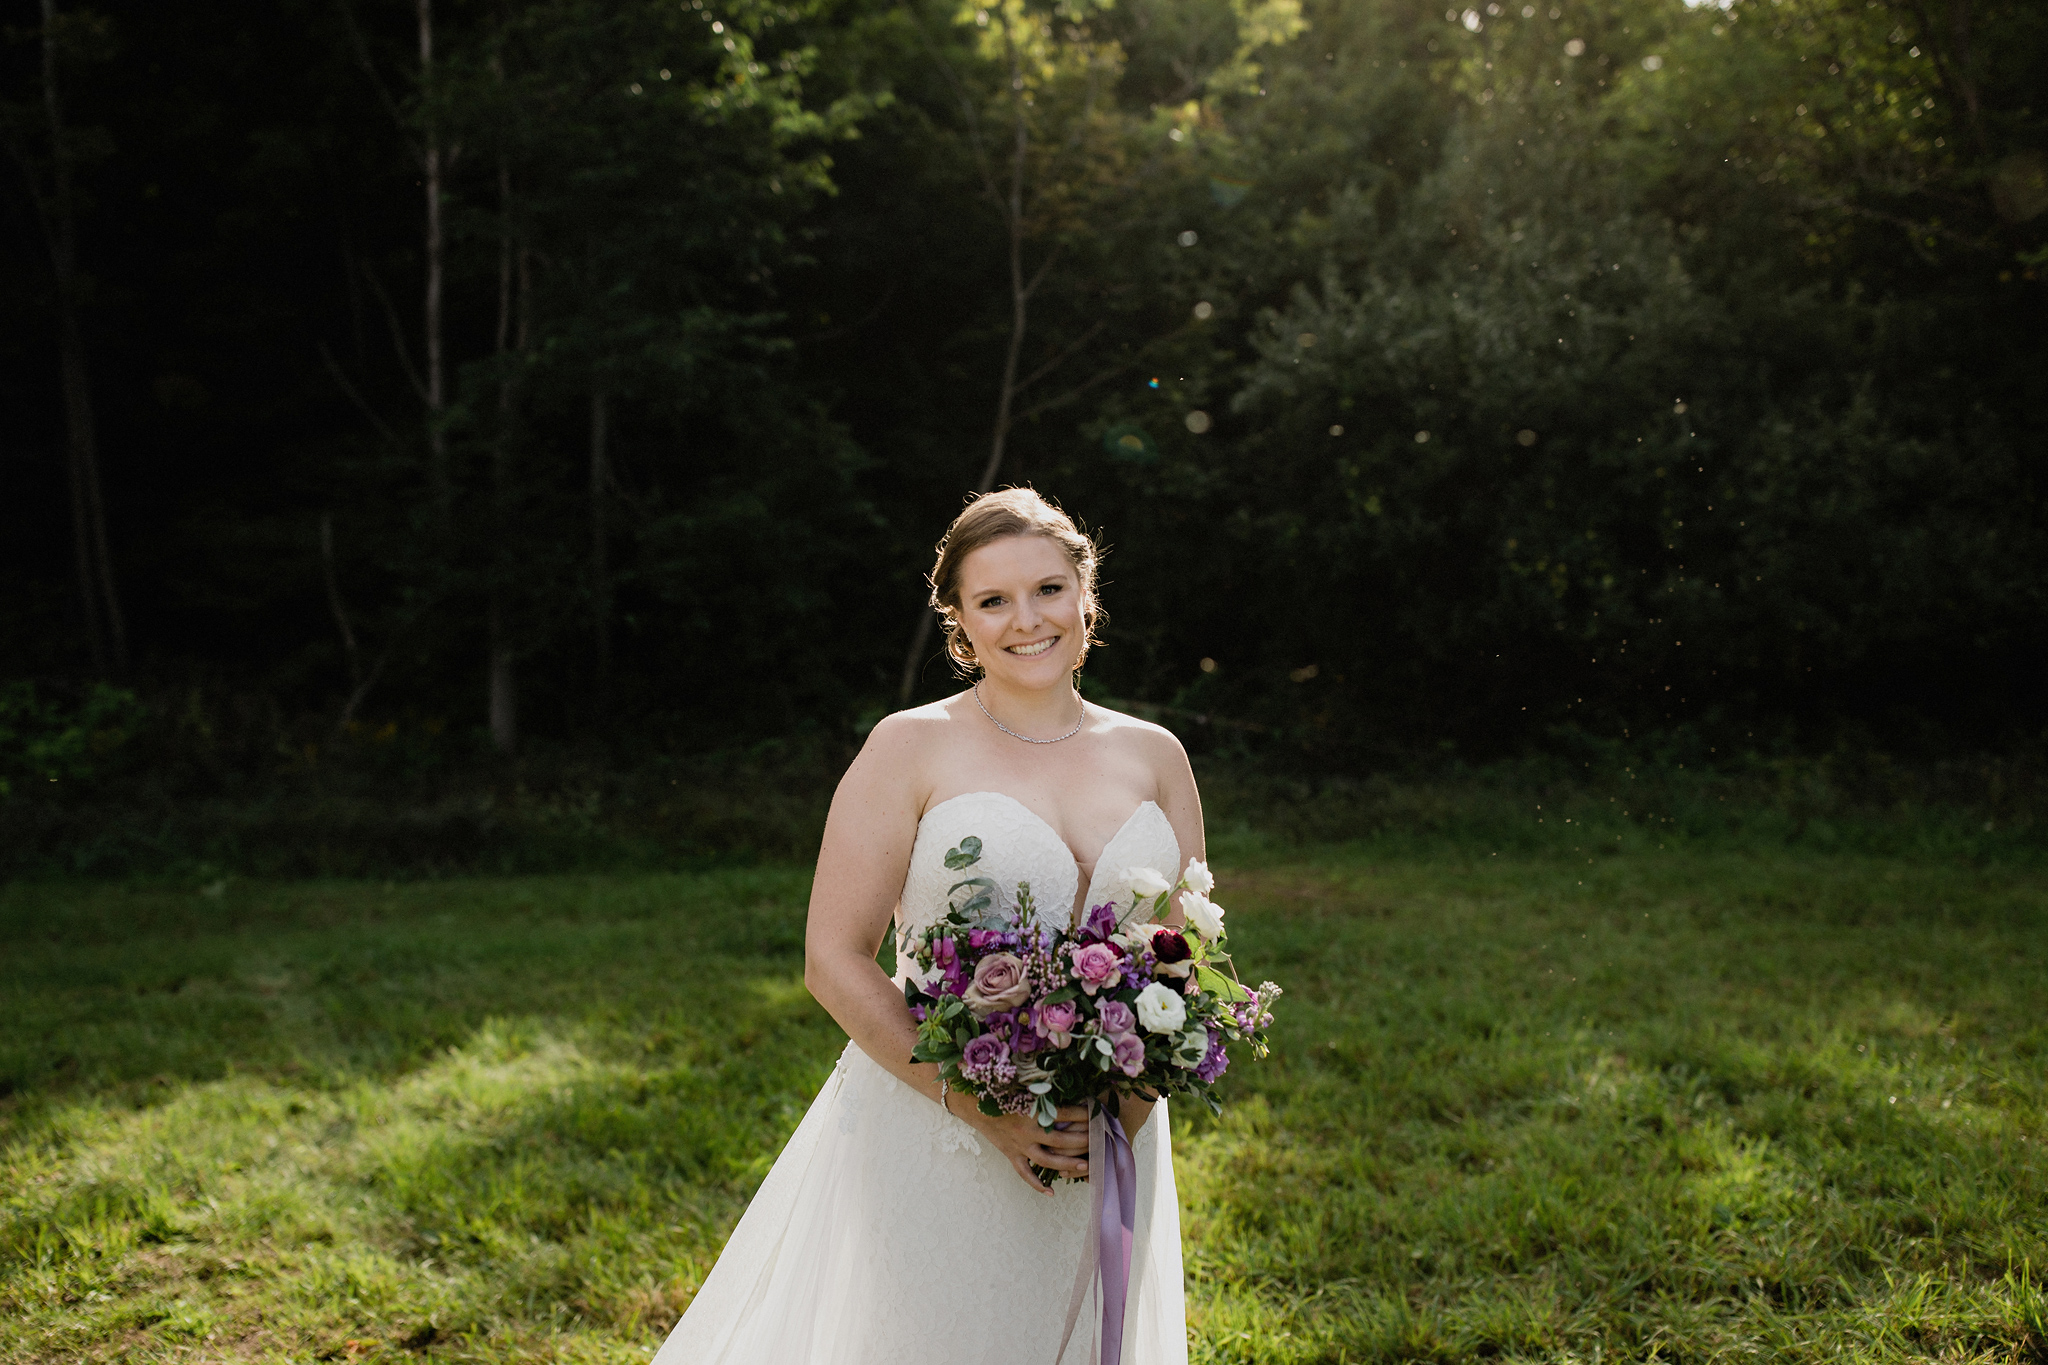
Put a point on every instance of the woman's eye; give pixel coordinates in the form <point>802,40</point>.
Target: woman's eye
<point>1049,589</point>
<point>991,603</point>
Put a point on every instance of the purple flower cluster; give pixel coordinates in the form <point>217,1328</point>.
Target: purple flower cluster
<point>986,1061</point>
<point>1028,1018</point>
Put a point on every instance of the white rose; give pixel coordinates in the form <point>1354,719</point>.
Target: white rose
<point>1160,1008</point>
<point>1145,883</point>
<point>1190,1048</point>
<point>1205,916</point>
<point>1198,877</point>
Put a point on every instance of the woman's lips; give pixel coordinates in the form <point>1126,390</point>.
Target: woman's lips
<point>1032,650</point>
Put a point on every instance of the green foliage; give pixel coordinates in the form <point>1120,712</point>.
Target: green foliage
<point>45,742</point>
<point>1721,321</point>
<point>1688,1103</point>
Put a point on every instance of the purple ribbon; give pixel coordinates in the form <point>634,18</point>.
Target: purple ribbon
<point>1113,1191</point>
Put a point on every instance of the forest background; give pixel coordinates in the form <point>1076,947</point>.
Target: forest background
<point>496,434</point>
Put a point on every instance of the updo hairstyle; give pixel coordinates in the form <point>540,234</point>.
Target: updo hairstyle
<point>998,516</point>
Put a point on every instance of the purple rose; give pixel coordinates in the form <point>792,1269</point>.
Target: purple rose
<point>1128,1054</point>
<point>1117,1018</point>
<point>1098,965</point>
<point>986,1060</point>
<point>999,984</point>
<point>1055,1023</point>
<point>983,1051</point>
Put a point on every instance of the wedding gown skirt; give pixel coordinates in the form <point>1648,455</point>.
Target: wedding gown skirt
<point>889,1233</point>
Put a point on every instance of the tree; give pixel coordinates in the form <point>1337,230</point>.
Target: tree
<point>53,190</point>
<point>1069,161</point>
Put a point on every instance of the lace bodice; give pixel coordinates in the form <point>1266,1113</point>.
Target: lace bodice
<point>1018,846</point>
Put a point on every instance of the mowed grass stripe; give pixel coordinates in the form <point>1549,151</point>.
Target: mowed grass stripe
<point>1659,1105</point>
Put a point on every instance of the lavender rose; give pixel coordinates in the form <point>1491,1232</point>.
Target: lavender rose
<point>1055,1023</point>
<point>999,984</point>
<point>1098,965</point>
<point>1128,1054</point>
<point>1117,1018</point>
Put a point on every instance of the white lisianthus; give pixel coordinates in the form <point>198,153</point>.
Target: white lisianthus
<point>1146,883</point>
<point>1204,915</point>
<point>1161,1009</point>
<point>1198,877</point>
<point>1190,1048</point>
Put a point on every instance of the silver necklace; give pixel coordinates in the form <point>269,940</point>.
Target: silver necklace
<point>1026,738</point>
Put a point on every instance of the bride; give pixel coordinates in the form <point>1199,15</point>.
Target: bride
<point>901,1224</point>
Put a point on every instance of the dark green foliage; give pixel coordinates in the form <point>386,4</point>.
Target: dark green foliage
<point>1721,323</point>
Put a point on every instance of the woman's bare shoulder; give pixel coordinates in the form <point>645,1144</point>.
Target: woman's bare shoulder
<point>900,748</point>
<point>1158,747</point>
<point>1132,729</point>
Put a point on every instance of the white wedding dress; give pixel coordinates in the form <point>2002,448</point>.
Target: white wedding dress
<point>888,1233</point>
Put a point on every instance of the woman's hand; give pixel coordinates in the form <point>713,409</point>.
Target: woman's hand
<point>1019,1138</point>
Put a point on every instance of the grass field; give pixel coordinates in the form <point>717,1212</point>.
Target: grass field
<point>1675,1104</point>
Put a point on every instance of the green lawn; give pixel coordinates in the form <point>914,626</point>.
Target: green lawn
<point>1671,1104</point>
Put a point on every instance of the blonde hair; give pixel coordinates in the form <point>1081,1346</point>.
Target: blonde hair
<point>998,516</point>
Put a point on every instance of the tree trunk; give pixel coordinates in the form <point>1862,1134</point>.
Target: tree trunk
<point>334,603</point>
<point>600,541</point>
<point>503,689</point>
<point>1006,390</point>
<point>502,681</point>
<point>93,560</point>
<point>431,169</point>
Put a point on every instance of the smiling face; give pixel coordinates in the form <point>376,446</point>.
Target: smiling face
<point>1020,607</point>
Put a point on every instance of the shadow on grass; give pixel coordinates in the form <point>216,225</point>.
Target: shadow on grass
<point>1688,1106</point>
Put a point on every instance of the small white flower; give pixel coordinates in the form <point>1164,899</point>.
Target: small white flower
<point>1160,1008</point>
<point>1198,877</point>
<point>1145,883</point>
<point>1190,1048</point>
<point>1205,916</point>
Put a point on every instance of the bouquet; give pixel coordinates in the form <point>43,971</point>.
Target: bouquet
<point>1028,1018</point>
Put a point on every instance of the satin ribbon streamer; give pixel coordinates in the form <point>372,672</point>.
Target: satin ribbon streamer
<point>1113,1198</point>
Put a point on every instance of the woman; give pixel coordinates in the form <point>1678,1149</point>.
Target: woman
<point>901,1224</point>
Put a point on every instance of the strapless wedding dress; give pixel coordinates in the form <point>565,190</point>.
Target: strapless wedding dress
<point>888,1233</point>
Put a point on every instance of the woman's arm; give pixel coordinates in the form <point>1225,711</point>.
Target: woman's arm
<point>861,865</point>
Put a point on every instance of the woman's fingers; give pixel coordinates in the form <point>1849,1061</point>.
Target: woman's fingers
<point>1061,1161</point>
<point>1065,1142</point>
<point>1023,1170</point>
